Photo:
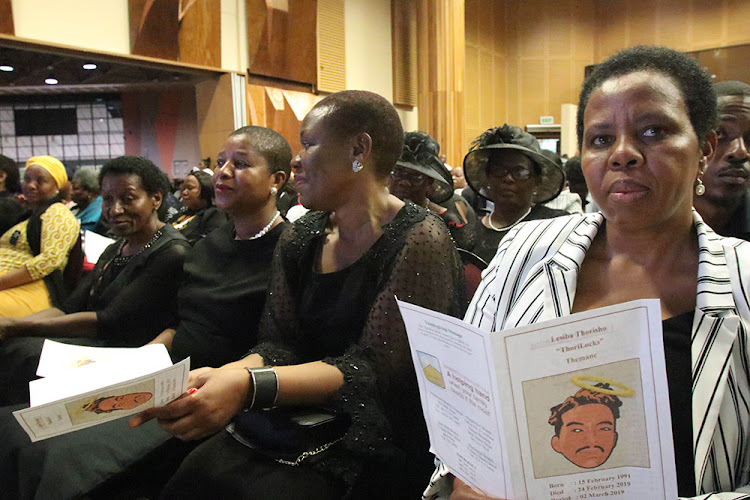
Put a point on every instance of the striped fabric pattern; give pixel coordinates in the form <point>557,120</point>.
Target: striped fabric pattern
<point>533,278</point>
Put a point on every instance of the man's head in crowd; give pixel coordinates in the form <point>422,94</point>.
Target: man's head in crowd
<point>727,175</point>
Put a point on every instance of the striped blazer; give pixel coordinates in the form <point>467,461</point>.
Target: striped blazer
<point>533,278</point>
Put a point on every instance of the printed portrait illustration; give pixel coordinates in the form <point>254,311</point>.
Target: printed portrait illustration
<point>113,403</point>
<point>586,426</point>
<point>108,404</point>
<point>587,419</point>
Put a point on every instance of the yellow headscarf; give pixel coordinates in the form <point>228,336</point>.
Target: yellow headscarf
<point>51,165</point>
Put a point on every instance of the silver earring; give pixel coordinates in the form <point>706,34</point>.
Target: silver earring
<point>700,188</point>
<point>274,190</point>
<point>357,166</point>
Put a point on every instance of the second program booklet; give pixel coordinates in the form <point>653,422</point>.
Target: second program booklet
<point>572,408</point>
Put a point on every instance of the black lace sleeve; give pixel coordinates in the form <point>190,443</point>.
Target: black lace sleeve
<point>419,264</point>
<point>380,390</point>
<point>278,324</point>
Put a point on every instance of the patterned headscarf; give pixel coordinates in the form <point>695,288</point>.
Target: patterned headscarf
<point>52,165</point>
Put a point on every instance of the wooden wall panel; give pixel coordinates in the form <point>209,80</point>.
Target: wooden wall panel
<point>200,34</point>
<point>6,18</point>
<point>534,90</point>
<point>331,46</point>
<point>404,50</point>
<point>538,49</point>
<point>685,25</point>
<point>441,63</point>
<point>286,47</point>
<point>154,27</point>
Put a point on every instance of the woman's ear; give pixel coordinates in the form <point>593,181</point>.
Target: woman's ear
<point>157,198</point>
<point>708,148</point>
<point>279,178</point>
<point>361,146</point>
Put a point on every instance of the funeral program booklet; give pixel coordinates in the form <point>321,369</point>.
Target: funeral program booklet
<point>572,408</point>
<point>87,386</point>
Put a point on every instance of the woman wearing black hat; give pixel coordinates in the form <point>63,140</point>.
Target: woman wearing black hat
<point>420,177</point>
<point>506,166</point>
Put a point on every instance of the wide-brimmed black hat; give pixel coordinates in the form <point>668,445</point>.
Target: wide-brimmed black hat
<point>418,158</point>
<point>509,137</point>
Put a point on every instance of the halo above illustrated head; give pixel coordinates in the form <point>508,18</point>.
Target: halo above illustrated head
<point>621,391</point>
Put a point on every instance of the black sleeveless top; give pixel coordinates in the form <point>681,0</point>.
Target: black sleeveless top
<point>677,334</point>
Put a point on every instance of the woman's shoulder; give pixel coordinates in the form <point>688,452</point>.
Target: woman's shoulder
<point>59,212</point>
<point>171,242</point>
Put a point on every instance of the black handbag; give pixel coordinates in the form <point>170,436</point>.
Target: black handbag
<point>289,435</point>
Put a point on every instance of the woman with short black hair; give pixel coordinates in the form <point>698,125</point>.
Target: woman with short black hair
<point>199,215</point>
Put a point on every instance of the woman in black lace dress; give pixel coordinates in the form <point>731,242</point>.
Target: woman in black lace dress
<point>331,331</point>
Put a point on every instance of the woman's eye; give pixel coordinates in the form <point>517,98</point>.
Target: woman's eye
<point>241,164</point>
<point>653,132</point>
<point>220,163</point>
<point>600,140</point>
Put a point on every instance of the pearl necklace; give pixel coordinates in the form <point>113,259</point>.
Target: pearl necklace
<point>501,229</point>
<point>263,231</point>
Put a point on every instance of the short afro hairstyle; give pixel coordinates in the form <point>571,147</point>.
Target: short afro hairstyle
<point>573,170</point>
<point>206,184</point>
<point>87,179</point>
<point>693,82</point>
<point>352,112</point>
<point>153,179</point>
<point>12,176</point>
<point>270,145</point>
<point>731,88</point>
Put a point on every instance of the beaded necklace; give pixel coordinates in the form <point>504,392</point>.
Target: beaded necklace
<point>501,229</point>
<point>262,232</point>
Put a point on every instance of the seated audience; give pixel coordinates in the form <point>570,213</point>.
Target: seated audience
<point>199,216</point>
<point>566,200</point>
<point>85,194</point>
<point>646,121</point>
<point>576,181</point>
<point>38,247</point>
<point>419,173</point>
<point>723,200</point>
<point>332,331</point>
<point>11,211</point>
<point>506,166</point>
<point>127,299</point>
<point>220,301</point>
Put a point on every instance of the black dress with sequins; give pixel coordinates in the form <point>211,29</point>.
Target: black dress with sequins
<point>350,320</point>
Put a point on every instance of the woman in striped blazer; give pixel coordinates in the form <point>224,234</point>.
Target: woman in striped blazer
<point>645,128</point>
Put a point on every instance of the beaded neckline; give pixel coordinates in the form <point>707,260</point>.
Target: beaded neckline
<point>121,259</point>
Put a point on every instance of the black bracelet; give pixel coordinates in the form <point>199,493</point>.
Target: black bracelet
<point>265,385</point>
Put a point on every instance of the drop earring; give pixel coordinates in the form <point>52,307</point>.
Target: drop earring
<point>700,188</point>
<point>357,166</point>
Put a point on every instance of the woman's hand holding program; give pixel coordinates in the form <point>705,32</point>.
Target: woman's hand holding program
<point>214,397</point>
<point>462,491</point>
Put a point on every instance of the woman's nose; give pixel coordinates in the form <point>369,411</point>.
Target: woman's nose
<point>625,154</point>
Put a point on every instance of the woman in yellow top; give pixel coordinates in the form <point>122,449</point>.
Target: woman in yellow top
<point>39,245</point>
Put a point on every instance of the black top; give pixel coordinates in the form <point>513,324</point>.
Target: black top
<point>136,301</point>
<point>350,320</point>
<point>463,231</point>
<point>489,239</point>
<point>222,296</point>
<point>739,223</point>
<point>11,212</point>
<point>203,223</point>
<point>677,336</point>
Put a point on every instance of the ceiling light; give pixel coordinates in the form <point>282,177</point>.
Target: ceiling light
<point>51,81</point>
<point>6,68</point>
<point>89,66</point>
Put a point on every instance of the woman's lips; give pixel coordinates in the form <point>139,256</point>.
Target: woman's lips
<point>626,191</point>
<point>221,188</point>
